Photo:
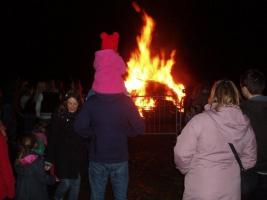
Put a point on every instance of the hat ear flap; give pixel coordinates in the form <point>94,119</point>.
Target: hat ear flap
<point>103,35</point>
<point>109,41</point>
<point>116,35</point>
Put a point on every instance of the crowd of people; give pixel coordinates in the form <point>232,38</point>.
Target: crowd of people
<point>52,129</point>
<point>57,129</point>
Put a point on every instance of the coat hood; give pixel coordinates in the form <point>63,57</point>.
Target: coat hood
<point>29,159</point>
<point>109,68</point>
<point>230,120</point>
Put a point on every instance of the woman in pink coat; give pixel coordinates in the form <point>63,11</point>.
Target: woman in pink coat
<point>202,152</point>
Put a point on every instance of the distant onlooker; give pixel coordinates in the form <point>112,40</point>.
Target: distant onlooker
<point>252,84</point>
<point>27,109</point>
<point>8,109</point>
<point>202,151</point>
<point>47,100</point>
<point>25,94</point>
<point>7,181</point>
<point>50,101</point>
<point>74,85</point>
<point>38,97</point>
<point>196,101</point>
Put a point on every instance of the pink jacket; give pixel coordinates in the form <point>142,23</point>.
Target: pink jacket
<point>203,155</point>
<point>109,68</point>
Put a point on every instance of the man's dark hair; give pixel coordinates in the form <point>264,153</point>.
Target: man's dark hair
<point>253,80</point>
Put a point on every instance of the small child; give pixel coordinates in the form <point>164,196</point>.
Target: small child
<point>41,139</point>
<point>32,180</point>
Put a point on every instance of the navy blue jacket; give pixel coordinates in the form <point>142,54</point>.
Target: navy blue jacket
<point>109,119</point>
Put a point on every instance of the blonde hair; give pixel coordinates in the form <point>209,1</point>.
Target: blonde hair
<point>224,93</point>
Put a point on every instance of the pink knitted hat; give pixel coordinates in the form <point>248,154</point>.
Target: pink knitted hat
<point>109,41</point>
<point>109,66</point>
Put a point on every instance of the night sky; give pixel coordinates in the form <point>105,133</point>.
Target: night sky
<point>58,38</point>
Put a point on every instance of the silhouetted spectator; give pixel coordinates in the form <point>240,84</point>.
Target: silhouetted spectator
<point>252,84</point>
<point>50,101</point>
<point>28,111</point>
<point>8,112</point>
<point>197,100</point>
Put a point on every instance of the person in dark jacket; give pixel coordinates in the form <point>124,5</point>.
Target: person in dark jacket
<point>65,148</point>
<point>252,84</point>
<point>32,180</point>
<point>109,116</point>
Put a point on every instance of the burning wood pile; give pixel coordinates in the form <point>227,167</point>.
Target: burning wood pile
<point>147,74</point>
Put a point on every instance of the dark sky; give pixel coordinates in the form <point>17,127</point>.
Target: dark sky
<point>58,38</point>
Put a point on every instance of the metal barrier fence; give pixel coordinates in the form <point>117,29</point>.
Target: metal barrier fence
<point>165,117</point>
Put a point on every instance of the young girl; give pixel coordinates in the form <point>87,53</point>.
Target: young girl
<point>32,180</point>
<point>40,133</point>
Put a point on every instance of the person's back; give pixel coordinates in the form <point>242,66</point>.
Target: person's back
<point>252,84</point>
<point>255,107</point>
<point>49,104</point>
<point>256,110</point>
<point>109,117</point>
<point>202,151</point>
<point>113,118</point>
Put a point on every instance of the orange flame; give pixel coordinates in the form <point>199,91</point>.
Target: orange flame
<point>143,68</point>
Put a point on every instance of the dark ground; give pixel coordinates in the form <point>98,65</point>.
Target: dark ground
<point>153,175</point>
